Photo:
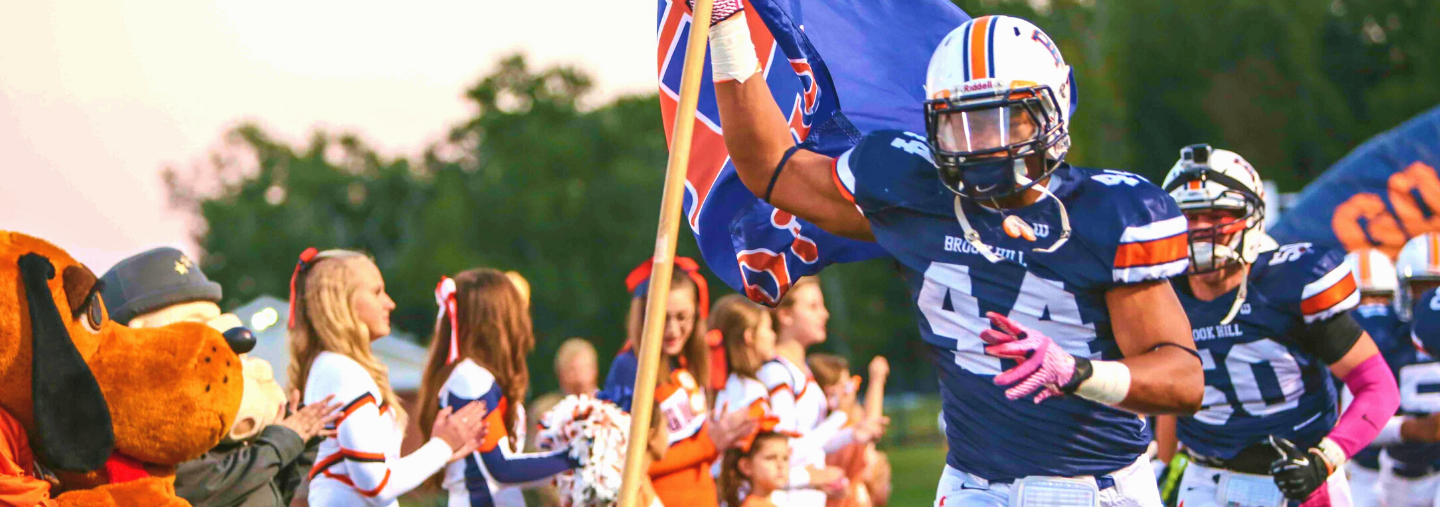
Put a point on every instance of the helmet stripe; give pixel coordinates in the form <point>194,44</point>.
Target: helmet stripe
<point>990,49</point>
<point>1365,267</point>
<point>977,47</point>
<point>965,48</point>
<point>1434,247</point>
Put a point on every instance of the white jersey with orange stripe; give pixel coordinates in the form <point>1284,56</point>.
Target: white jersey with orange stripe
<point>361,464</point>
<point>1263,375</point>
<point>1123,230</point>
<point>803,410</point>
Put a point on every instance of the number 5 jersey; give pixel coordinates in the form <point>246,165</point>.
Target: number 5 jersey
<point>1121,230</point>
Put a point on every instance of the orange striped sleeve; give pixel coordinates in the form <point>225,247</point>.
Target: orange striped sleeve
<point>1151,253</point>
<point>1330,297</point>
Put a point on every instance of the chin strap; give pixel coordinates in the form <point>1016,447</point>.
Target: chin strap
<point>973,238</point>
<point>1239,301</point>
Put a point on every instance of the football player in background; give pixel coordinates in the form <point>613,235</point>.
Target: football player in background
<point>1411,474</point>
<point>1272,327</point>
<point>1377,316</point>
<point>1041,288</point>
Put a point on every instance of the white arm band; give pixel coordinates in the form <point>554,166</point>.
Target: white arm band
<point>1108,385</point>
<point>732,55</point>
<point>1390,434</point>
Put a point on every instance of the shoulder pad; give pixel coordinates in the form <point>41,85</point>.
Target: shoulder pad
<point>1314,280</point>
<point>1134,219</point>
<point>887,168</point>
<point>1425,322</point>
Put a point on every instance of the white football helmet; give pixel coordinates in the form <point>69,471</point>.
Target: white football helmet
<point>1205,179</point>
<point>1375,271</point>
<point>1419,261</point>
<point>999,91</point>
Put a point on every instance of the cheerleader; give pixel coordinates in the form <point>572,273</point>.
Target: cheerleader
<point>478,355</point>
<point>338,305</point>
<point>801,404</point>
<point>744,328</point>
<point>680,470</point>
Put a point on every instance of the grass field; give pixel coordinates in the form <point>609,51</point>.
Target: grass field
<point>914,472</point>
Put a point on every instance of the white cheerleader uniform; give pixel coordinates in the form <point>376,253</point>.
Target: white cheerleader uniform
<point>361,464</point>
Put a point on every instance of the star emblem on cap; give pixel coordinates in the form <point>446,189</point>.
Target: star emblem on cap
<point>183,265</point>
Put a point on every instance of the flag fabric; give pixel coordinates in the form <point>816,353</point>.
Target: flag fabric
<point>1381,194</point>
<point>838,69</point>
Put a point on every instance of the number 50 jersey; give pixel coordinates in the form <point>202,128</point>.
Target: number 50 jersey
<point>1262,376</point>
<point>1124,230</point>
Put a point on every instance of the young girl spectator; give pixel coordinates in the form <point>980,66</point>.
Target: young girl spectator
<point>338,306</point>
<point>744,328</point>
<point>680,471</point>
<point>866,469</point>
<point>478,355</point>
<point>758,467</point>
<point>803,410</point>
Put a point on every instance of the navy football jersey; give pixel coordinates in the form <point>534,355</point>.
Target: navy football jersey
<point>1259,380</point>
<point>1419,381</point>
<point>1392,337</point>
<point>1124,231</point>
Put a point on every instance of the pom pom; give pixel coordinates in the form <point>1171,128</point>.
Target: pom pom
<point>596,432</point>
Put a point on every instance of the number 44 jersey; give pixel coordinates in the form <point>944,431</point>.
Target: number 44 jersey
<point>1262,376</point>
<point>1123,230</point>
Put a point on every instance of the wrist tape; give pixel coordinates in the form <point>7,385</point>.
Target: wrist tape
<point>732,55</point>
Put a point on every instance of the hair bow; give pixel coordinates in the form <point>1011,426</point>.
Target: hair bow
<point>760,412</point>
<point>305,257</point>
<point>445,298</point>
<point>638,281</point>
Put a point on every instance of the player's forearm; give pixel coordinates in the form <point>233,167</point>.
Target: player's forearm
<point>756,134</point>
<point>1167,380</point>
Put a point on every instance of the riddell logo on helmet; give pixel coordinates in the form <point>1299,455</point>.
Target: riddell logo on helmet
<point>979,85</point>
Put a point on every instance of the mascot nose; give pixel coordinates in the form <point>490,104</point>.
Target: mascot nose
<point>241,340</point>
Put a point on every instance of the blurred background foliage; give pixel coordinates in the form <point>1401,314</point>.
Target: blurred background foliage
<point>546,179</point>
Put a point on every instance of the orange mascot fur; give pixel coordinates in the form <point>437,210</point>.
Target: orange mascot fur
<point>108,409</point>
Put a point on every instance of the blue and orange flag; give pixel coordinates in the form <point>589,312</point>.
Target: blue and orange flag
<point>837,69</point>
<point>1383,193</point>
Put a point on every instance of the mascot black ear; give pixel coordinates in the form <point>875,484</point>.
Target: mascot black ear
<point>71,417</point>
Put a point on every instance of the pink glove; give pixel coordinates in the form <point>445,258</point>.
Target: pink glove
<point>1042,362</point>
<point>722,10</point>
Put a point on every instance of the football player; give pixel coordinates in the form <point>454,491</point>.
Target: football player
<point>1272,327</point>
<point>1040,288</point>
<point>1377,316</point>
<point>1409,439</point>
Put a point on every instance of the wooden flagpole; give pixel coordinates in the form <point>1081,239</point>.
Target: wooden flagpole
<point>664,257</point>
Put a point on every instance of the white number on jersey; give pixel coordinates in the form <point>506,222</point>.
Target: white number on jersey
<point>964,322</point>
<point>1243,361</point>
<point>1289,253</point>
<point>1435,301</point>
<point>1113,177</point>
<point>913,147</point>
<point>1420,388</point>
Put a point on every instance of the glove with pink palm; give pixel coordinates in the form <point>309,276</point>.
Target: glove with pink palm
<point>1044,366</point>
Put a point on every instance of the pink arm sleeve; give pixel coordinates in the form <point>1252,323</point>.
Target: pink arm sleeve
<point>1376,398</point>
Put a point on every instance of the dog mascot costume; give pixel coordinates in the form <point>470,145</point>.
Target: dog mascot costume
<point>109,410</point>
